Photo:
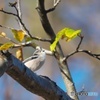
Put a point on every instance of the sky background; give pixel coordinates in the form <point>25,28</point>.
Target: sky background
<point>76,14</point>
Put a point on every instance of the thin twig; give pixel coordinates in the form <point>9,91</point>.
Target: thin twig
<point>77,49</point>
<point>33,37</point>
<point>6,27</point>
<point>79,42</point>
<point>27,44</point>
<point>56,2</point>
<point>9,13</point>
<point>19,18</point>
<point>91,54</point>
<point>40,39</point>
<point>21,22</point>
<point>97,56</point>
<point>69,55</point>
<point>18,10</point>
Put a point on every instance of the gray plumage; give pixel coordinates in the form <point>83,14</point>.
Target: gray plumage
<point>36,61</point>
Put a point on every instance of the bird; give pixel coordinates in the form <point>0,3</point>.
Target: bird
<point>37,60</point>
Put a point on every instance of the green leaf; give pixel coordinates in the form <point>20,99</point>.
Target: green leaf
<point>6,46</point>
<point>67,33</point>
<point>18,34</point>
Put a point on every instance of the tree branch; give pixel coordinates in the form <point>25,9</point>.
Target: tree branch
<point>44,19</point>
<point>77,49</point>
<point>40,85</point>
<point>20,20</point>
<point>9,13</point>
<point>18,9</point>
<point>56,2</point>
<point>97,56</point>
<point>59,53</point>
<point>81,37</point>
<point>33,37</point>
<point>27,44</point>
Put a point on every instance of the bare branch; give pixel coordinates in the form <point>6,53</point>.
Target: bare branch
<point>97,56</point>
<point>40,39</point>
<point>79,42</point>
<point>56,2</point>
<point>33,37</point>
<point>44,19</point>
<point>40,85</point>
<point>12,4</point>
<point>18,10</point>
<point>59,53</point>
<point>48,52</point>
<point>5,27</point>
<point>20,20</point>
<point>8,12</point>
<point>76,51</point>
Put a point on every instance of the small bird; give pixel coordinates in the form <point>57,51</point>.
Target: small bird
<point>36,61</point>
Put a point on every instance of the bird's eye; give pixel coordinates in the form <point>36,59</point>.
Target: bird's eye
<point>43,50</point>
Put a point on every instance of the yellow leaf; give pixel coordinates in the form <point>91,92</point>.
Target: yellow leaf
<point>18,34</point>
<point>53,46</point>
<point>71,34</point>
<point>2,34</point>
<point>61,34</point>
<point>6,46</point>
<point>19,54</point>
<point>67,33</point>
<point>58,37</point>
